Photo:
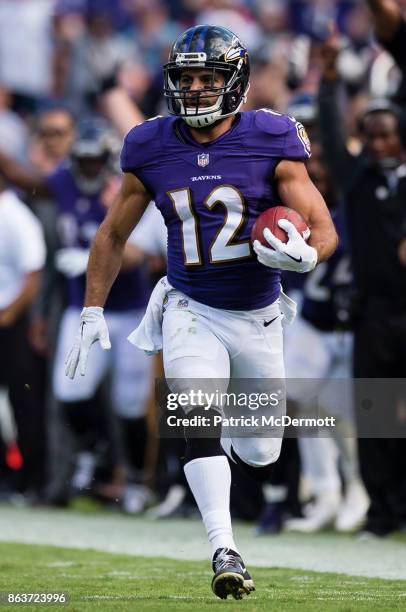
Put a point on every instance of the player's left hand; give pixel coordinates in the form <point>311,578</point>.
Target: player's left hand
<point>296,255</point>
<point>93,327</point>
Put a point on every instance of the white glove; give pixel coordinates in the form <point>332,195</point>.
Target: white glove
<point>93,327</point>
<point>72,261</point>
<point>295,255</point>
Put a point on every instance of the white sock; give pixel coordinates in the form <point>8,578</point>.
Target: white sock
<point>209,479</point>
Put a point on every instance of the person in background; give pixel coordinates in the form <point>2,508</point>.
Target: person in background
<point>373,188</point>
<point>390,29</point>
<point>82,188</point>
<point>51,143</point>
<point>22,257</point>
<point>319,349</point>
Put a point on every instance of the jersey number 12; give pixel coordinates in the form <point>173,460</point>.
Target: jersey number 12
<point>224,246</point>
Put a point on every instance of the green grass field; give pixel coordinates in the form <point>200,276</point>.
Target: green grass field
<point>104,581</point>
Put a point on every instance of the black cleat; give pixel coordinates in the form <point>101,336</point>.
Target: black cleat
<point>231,577</point>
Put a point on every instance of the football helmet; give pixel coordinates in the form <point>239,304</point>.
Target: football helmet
<point>217,49</point>
<point>92,155</point>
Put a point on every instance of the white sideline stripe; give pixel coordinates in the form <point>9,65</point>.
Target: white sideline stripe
<point>186,540</point>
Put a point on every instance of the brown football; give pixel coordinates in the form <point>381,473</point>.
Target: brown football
<point>270,217</point>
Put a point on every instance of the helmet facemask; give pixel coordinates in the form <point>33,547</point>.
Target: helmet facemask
<point>230,96</point>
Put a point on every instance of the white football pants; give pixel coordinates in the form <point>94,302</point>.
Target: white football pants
<point>325,360</point>
<point>224,347</point>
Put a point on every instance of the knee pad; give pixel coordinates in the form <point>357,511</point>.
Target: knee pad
<point>256,451</point>
<point>256,456</point>
<point>202,440</point>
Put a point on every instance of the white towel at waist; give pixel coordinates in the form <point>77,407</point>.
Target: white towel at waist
<point>148,335</point>
<point>288,308</point>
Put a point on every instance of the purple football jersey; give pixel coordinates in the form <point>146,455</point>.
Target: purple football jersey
<point>79,217</point>
<point>327,288</point>
<point>210,196</point>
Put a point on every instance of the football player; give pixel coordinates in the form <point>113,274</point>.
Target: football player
<point>319,349</point>
<point>211,170</point>
<point>81,188</point>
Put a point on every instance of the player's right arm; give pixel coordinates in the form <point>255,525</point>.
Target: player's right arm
<point>107,249</point>
<point>26,179</point>
<point>105,262</point>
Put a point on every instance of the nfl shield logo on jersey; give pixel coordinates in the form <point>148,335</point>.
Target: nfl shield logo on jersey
<point>203,159</point>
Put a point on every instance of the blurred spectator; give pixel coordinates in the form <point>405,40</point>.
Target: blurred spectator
<point>357,53</point>
<point>312,17</point>
<point>373,185</point>
<point>153,31</point>
<point>390,29</point>
<point>234,15</point>
<point>92,57</point>
<point>319,349</point>
<point>82,190</point>
<point>273,16</point>
<point>25,49</point>
<point>13,130</point>
<point>22,257</point>
<point>53,139</point>
<point>268,86</point>
<point>51,144</point>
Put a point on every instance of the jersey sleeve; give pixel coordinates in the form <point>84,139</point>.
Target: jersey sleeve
<point>130,161</point>
<point>283,136</point>
<point>139,147</point>
<point>297,143</point>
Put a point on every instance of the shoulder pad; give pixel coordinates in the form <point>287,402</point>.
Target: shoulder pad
<point>271,122</point>
<point>146,130</point>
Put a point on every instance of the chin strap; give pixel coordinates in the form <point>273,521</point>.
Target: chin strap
<point>202,121</point>
<point>199,121</point>
<point>213,113</point>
